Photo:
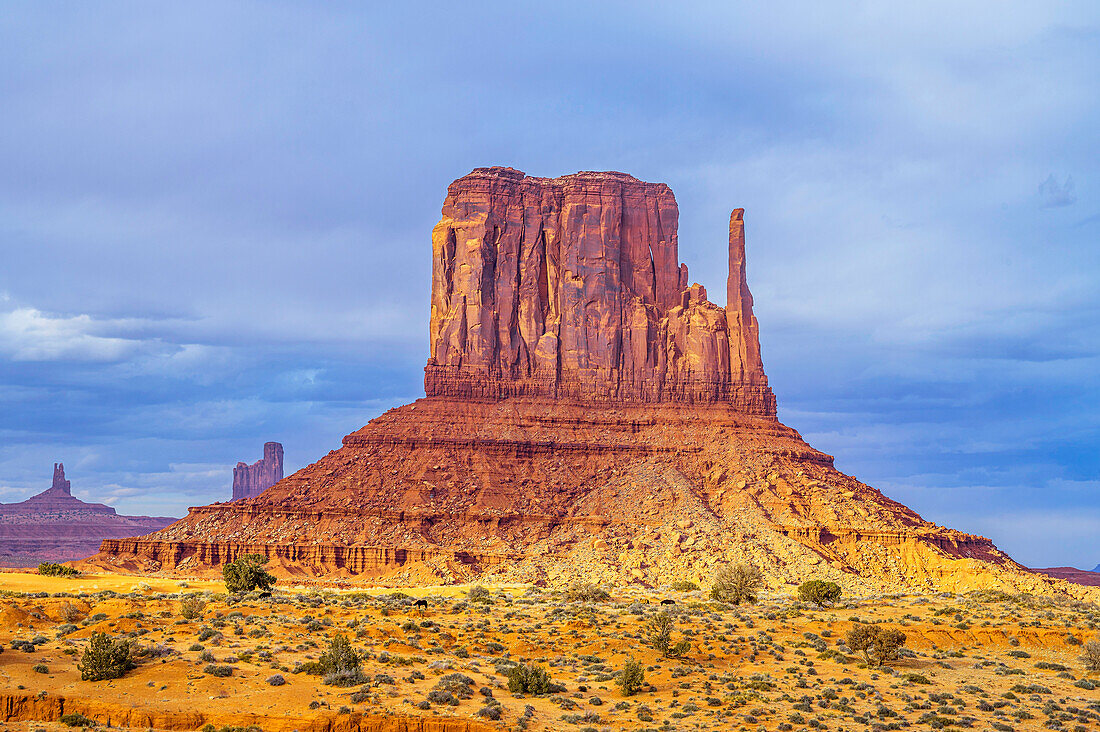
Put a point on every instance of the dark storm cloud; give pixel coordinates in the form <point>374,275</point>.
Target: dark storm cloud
<point>214,224</point>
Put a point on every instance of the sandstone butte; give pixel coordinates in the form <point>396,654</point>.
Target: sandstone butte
<point>252,480</point>
<point>56,526</point>
<point>589,415</point>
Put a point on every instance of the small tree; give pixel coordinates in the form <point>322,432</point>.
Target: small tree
<point>878,645</point>
<point>658,635</point>
<point>191,606</point>
<point>105,658</point>
<point>631,678</point>
<point>247,574</point>
<point>1091,655</point>
<point>51,569</point>
<point>736,584</point>
<point>529,679</point>
<point>477,593</point>
<point>587,592</point>
<point>340,663</point>
<point>819,592</point>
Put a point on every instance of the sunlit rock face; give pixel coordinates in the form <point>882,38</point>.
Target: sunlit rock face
<point>571,288</point>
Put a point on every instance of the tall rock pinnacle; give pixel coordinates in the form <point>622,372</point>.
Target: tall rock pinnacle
<point>745,363</point>
<point>571,288</point>
<point>60,485</point>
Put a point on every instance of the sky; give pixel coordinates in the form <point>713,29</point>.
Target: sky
<point>215,225</point>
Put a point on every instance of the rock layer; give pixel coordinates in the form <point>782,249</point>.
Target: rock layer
<point>571,288</point>
<point>589,416</point>
<point>252,480</point>
<point>55,526</point>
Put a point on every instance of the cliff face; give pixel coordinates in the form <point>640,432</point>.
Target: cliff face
<point>55,526</point>
<point>571,288</point>
<point>590,415</point>
<point>252,480</point>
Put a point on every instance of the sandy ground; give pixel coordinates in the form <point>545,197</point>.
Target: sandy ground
<point>977,661</point>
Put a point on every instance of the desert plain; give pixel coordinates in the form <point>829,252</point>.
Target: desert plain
<point>984,660</point>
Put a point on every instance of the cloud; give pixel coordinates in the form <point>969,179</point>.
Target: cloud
<point>1054,195</point>
<point>27,334</point>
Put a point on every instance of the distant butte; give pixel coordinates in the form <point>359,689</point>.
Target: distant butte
<point>252,480</point>
<point>56,526</point>
<point>589,415</point>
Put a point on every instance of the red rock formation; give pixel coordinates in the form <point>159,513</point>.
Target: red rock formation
<point>571,288</point>
<point>1072,574</point>
<point>252,480</point>
<point>55,526</point>
<point>590,415</point>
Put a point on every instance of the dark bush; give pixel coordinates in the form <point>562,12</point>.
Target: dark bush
<point>529,679</point>
<point>247,574</point>
<point>631,678</point>
<point>56,570</point>
<point>658,635</point>
<point>105,658</point>
<point>878,645</point>
<point>819,592</point>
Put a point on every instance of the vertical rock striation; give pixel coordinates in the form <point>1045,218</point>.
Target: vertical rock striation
<point>252,480</point>
<point>571,288</point>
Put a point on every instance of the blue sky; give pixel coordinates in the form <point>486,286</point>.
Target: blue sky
<point>215,225</point>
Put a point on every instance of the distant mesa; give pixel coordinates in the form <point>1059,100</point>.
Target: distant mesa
<point>250,481</point>
<point>55,526</point>
<point>1074,575</point>
<point>590,415</point>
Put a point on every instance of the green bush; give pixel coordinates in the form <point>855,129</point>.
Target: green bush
<point>684,586</point>
<point>819,592</point>
<point>56,570</point>
<point>340,663</point>
<point>105,658</point>
<point>631,678</point>
<point>878,645</point>
<point>587,592</point>
<point>658,635</point>
<point>220,671</point>
<point>736,584</point>
<point>247,574</point>
<point>77,720</point>
<point>191,606</point>
<point>529,679</point>
<point>478,593</point>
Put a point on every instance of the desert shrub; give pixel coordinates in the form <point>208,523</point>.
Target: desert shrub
<point>631,678</point>
<point>878,645</point>
<point>457,684</point>
<point>247,574</point>
<point>478,593</point>
<point>736,584</point>
<point>819,592</point>
<point>658,635</point>
<point>105,658</point>
<point>77,720</point>
<point>529,679</point>
<point>489,712</point>
<point>276,680</point>
<point>340,663</point>
<point>191,606</point>
<point>684,586</point>
<point>1091,655</point>
<point>40,668</point>
<point>587,592</point>
<point>56,570</point>
<point>216,670</point>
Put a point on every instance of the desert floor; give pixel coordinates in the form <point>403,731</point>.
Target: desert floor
<point>983,661</point>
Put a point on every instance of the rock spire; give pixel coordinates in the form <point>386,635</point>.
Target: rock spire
<point>252,480</point>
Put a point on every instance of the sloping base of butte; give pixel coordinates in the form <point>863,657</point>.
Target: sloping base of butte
<point>590,417</point>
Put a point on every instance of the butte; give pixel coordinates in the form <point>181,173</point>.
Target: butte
<point>589,416</point>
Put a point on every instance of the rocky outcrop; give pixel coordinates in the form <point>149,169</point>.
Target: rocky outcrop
<point>55,526</point>
<point>58,497</point>
<point>571,288</point>
<point>1072,574</point>
<point>590,415</point>
<point>252,480</point>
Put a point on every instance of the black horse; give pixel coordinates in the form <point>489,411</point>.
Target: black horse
<point>421,605</point>
<point>668,602</point>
